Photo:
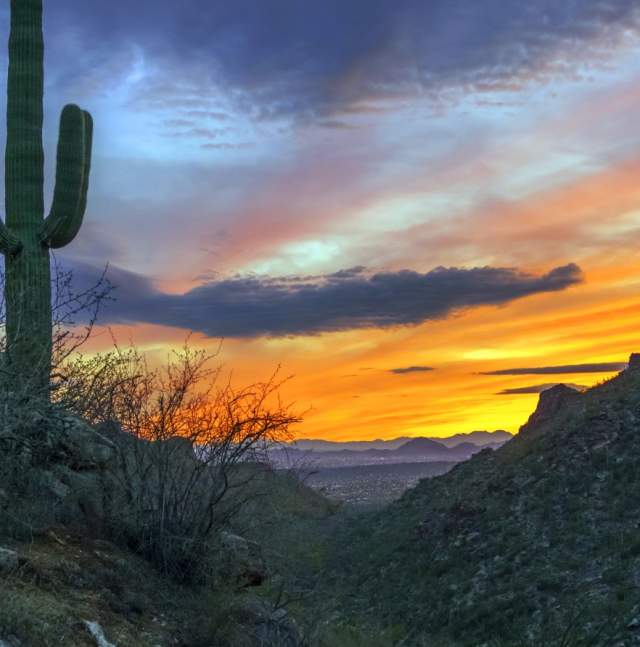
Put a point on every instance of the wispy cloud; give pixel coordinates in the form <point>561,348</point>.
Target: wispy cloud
<point>607,367</point>
<point>411,369</point>
<point>539,388</point>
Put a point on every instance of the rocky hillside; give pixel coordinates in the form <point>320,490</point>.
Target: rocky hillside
<point>535,543</point>
<point>68,579</point>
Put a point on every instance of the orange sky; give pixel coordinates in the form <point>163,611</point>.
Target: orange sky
<point>343,380</point>
<point>531,173</point>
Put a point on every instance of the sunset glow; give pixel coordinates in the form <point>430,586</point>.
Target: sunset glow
<point>234,199</point>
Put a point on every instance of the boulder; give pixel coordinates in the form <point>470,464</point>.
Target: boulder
<point>110,429</point>
<point>81,447</point>
<point>75,470</point>
<point>10,641</point>
<point>8,561</point>
<point>241,561</point>
<point>97,633</point>
<point>62,476</point>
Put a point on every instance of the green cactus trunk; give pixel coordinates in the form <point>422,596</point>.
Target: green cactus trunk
<point>28,236</point>
<point>27,273</point>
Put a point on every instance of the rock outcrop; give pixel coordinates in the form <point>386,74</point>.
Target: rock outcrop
<point>634,362</point>
<point>241,561</point>
<point>551,402</point>
<point>55,471</point>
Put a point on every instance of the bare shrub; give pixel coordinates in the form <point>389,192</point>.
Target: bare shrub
<point>31,418</point>
<point>75,312</point>
<point>189,446</point>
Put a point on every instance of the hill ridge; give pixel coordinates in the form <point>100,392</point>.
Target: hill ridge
<point>516,539</point>
<point>477,437</point>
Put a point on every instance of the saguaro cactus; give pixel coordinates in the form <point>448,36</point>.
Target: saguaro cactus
<point>27,236</point>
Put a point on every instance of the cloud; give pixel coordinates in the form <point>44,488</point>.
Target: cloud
<point>309,305</point>
<point>411,369</point>
<point>539,388</point>
<point>608,367</point>
<point>282,57</point>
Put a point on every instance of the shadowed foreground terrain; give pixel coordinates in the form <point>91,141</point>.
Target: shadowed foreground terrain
<point>535,543</point>
<point>68,585</point>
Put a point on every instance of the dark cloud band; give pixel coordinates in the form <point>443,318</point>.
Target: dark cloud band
<point>346,300</point>
<point>297,58</point>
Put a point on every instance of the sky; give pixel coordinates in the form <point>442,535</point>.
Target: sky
<point>423,212</point>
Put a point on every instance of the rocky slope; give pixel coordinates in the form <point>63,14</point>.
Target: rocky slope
<point>67,579</point>
<point>537,540</point>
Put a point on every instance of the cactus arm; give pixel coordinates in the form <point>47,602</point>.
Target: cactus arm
<point>9,244</point>
<point>82,205</point>
<point>72,178</point>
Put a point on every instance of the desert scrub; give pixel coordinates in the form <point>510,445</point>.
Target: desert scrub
<point>39,618</point>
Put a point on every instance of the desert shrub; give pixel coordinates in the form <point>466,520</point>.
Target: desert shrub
<point>186,444</point>
<point>351,635</point>
<point>188,447</point>
<point>75,311</point>
<point>31,419</point>
<point>228,618</point>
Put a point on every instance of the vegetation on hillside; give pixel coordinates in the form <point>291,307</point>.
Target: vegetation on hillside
<point>535,541</point>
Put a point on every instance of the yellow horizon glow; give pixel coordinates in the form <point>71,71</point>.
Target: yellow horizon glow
<point>343,380</point>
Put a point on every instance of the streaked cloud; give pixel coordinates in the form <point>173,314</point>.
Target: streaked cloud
<point>606,367</point>
<point>539,388</point>
<point>247,151</point>
<point>411,369</point>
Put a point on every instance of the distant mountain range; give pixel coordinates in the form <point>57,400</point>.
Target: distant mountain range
<point>323,453</point>
<point>479,438</point>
